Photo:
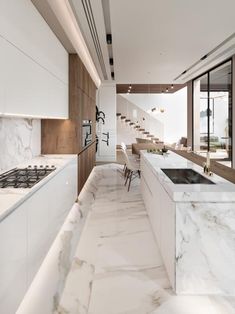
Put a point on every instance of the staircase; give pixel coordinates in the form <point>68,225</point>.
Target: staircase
<point>141,132</point>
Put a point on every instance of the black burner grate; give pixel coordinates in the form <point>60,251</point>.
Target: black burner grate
<point>25,177</point>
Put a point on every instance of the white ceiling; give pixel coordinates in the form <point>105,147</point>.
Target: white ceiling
<point>156,40</point>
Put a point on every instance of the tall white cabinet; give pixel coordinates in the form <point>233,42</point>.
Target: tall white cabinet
<point>34,64</point>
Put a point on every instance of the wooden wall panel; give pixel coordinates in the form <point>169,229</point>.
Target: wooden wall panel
<point>65,136</point>
<point>86,162</point>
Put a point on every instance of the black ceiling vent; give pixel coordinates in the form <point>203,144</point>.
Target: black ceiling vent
<point>204,57</point>
<point>111,61</point>
<point>112,75</point>
<point>109,39</point>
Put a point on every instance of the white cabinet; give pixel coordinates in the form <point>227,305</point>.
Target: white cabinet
<point>27,234</point>
<point>161,211</point>
<point>34,65</point>
<point>13,261</point>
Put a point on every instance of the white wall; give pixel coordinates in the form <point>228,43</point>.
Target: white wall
<point>174,118</point>
<point>106,102</point>
<point>34,64</point>
<point>126,133</point>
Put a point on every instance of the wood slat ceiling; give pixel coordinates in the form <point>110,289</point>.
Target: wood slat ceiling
<point>148,88</point>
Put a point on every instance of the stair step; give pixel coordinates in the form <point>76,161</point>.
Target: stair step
<point>118,114</point>
<point>155,139</point>
<point>145,132</point>
<point>149,135</point>
<point>132,123</point>
<point>123,117</point>
<point>142,130</point>
<point>137,127</point>
<point>127,120</point>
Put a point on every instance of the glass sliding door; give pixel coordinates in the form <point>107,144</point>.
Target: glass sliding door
<point>212,113</point>
<point>200,128</point>
<point>221,112</point>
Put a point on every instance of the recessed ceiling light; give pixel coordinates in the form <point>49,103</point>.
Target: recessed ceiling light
<point>111,61</point>
<point>130,87</point>
<point>109,39</point>
<point>172,86</point>
<point>167,90</point>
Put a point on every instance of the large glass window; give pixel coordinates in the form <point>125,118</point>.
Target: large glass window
<point>212,101</point>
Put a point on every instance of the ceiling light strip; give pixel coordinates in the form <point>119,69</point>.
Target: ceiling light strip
<point>94,34</point>
<point>107,23</point>
<point>65,15</point>
<point>207,55</point>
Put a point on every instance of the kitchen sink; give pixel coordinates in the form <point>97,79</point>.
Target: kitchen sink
<point>186,176</point>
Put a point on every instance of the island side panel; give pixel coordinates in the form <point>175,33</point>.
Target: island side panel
<point>205,248</point>
<point>161,213</point>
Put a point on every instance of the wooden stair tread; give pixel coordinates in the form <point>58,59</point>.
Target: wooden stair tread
<point>150,135</point>
<point>127,120</point>
<point>132,123</point>
<point>142,130</point>
<point>123,117</point>
<point>145,132</point>
<point>118,114</point>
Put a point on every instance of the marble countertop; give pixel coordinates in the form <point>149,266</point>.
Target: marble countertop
<point>11,198</point>
<point>222,191</point>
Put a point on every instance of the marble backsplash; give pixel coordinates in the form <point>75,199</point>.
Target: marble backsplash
<point>20,140</point>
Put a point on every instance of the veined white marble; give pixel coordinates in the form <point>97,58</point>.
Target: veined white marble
<point>205,248</point>
<point>20,140</point>
<point>64,279</point>
<point>11,198</point>
<point>117,267</point>
<point>222,191</point>
<point>202,256</point>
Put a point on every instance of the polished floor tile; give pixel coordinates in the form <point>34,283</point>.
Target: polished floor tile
<point>129,276</point>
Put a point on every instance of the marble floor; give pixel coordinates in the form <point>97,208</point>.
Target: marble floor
<point>126,273</point>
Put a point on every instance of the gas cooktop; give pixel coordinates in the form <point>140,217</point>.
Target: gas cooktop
<point>24,177</point>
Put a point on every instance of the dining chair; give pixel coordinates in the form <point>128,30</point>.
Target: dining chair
<point>132,169</point>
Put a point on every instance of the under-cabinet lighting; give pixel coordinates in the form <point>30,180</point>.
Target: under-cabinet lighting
<point>29,116</point>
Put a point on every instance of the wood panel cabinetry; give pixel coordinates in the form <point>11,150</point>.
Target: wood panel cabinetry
<point>86,162</point>
<point>65,136</point>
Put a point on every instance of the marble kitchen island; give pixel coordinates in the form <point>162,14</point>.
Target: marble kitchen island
<point>194,225</point>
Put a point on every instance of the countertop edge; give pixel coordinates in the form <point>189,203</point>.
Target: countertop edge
<point>39,185</point>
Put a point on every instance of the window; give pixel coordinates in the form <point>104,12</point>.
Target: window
<point>212,113</point>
